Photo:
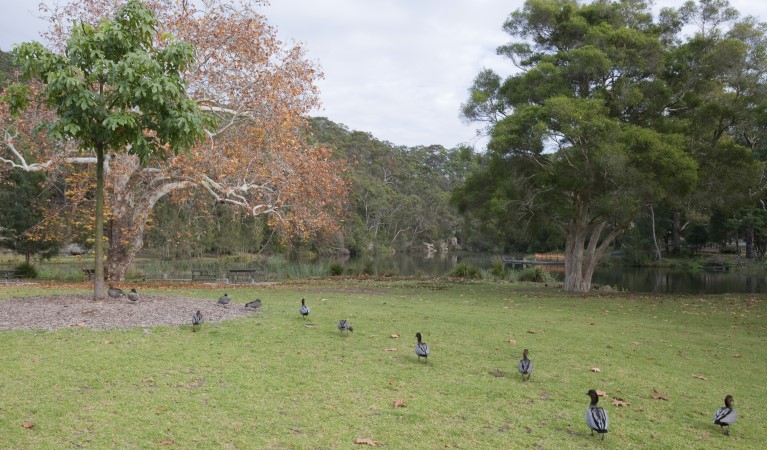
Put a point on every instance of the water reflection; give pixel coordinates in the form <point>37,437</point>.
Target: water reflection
<point>663,280</point>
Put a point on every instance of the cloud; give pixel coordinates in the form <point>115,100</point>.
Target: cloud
<point>398,69</point>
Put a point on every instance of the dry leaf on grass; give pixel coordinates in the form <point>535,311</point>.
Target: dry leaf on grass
<point>700,377</point>
<point>617,401</point>
<point>601,393</point>
<point>658,396</point>
<point>399,403</point>
<point>510,341</point>
<point>166,442</point>
<point>27,424</point>
<point>738,355</point>
<point>596,369</point>
<point>369,442</point>
<point>394,336</point>
<point>392,349</point>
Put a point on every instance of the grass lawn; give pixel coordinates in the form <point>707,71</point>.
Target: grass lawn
<point>274,380</point>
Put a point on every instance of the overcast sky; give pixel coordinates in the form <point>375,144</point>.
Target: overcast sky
<point>398,69</point>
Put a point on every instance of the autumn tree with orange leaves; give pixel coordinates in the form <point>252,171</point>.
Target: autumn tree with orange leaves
<point>257,157</point>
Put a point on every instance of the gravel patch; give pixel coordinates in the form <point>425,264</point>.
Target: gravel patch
<point>53,312</point>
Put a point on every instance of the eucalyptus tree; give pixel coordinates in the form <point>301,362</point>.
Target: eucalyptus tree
<point>580,141</point>
<point>115,90</point>
<point>717,76</point>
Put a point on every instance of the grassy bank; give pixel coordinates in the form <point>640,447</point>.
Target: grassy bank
<point>276,381</point>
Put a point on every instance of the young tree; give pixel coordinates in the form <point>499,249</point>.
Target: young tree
<point>114,90</point>
<point>580,141</point>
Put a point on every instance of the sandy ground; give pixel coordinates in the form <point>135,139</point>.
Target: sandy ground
<point>80,310</point>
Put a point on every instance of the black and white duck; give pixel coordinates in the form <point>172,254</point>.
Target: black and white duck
<point>726,415</point>
<point>421,348</point>
<point>596,416</point>
<point>525,366</point>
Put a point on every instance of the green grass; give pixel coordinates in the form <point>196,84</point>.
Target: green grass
<point>268,381</point>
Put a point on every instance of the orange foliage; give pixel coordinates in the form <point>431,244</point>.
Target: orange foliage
<point>257,155</point>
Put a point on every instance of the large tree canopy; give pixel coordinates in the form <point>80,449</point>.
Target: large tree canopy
<point>579,137</point>
<point>257,157</point>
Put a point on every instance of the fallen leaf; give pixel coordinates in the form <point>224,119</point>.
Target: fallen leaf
<point>738,355</point>
<point>601,393</point>
<point>700,377</point>
<point>27,424</point>
<point>609,346</point>
<point>369,442</point>
<point>393,349</point>
<point>596,369</point>
<point>510,341</point>
<point>531,331</point>
<point>394,336</point>
<point>657,395</point>
<point>107,341</point>
<point>619,402</point>
<point>308,325</point>
<point>166,442</point>
<point>399,403</point>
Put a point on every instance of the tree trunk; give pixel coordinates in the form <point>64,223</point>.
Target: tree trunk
<point>98,266</point>
<point>584,246</point>
<point>126,240</point>
<point>676,232</point>
<point>658,255</point>
<point>131,206</point>
<point>749,237</point>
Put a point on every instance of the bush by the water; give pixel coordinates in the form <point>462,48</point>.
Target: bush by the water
<point>336,269</point>
<point>498,269</point>
<point>463,270</point>
<point>26,270</point>
<point>536,275</point>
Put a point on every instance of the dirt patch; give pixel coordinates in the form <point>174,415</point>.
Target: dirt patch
<point>53,312</point>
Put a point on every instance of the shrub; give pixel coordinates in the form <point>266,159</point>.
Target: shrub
<point>26,270</point>
<point>367,268</point>
<point>498,269</point>
<point>336,269</point>
<point>463,270</point>
<point>536,275</point>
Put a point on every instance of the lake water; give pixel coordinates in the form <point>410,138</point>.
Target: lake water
<point>632,279</point>
<point>656,280</point>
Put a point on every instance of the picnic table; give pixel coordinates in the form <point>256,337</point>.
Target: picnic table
<point>203,275</point>
<point>9,274</point>
<point>242,275</point>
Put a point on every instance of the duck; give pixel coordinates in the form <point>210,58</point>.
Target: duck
<point>726,415</point>
<point>133,295</point>
<point>115,292</point>
<point>596,416</point>
<point>196,320</point>
<point>255,304</point>
<point>344,325</point>
<point>525,366</point>
<point>224,299</point>
<point>421,348</point>
<point>304,310</point>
